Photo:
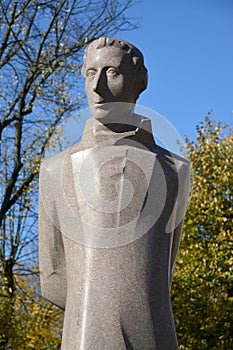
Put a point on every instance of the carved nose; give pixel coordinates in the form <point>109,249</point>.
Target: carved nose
<point>99,84</point>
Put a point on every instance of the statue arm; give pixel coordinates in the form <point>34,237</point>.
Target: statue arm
<point>51,249</point>
<point>176,238</point>
<point>181,206</point>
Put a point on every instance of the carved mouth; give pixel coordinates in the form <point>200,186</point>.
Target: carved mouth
<point>102,104</point>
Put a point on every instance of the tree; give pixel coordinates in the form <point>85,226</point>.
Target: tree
<point>35,323</point>
<point>202,291</point>
<point>41,52</point>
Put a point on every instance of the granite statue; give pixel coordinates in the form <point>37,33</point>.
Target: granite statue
<point>111,211</point>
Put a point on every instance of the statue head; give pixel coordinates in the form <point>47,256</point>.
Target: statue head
<point>114,74</point>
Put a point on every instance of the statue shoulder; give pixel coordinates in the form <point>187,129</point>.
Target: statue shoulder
<point>51,173</point>
<point>170,157</point>
<point>54,164</point>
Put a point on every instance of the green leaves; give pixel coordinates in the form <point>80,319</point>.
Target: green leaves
<point>28,319</point>
<point>202,290</point>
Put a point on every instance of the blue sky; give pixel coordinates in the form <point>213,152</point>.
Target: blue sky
<point>188,50</point>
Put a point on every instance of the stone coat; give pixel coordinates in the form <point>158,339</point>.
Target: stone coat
<point>110,271</point>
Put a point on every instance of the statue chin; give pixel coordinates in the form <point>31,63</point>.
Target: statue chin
<point>101,112</point>
<point>111,113</point>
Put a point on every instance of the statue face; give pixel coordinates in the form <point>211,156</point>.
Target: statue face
<point>110,78</point>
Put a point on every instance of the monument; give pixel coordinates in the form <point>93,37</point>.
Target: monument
<point>111,210</point>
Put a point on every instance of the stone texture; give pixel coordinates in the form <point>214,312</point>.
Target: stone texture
<point>110,216</point>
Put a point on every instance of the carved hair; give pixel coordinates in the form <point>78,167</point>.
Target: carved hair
<point>135,55</point>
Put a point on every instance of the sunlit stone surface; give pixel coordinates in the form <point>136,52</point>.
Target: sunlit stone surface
<point>110,216</point>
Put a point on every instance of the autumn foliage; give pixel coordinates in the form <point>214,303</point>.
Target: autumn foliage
<point>41,49</point>
<point>202,291</point>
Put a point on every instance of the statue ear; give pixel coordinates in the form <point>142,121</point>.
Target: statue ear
<point>141,80</point>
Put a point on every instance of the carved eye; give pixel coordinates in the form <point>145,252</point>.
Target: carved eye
<point>91,73</point>
<point>113,72</point>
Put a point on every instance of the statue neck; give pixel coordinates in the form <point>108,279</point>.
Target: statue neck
<point>138,129</point>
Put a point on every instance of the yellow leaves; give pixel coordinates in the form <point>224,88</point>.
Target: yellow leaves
<point>33,322</point>
<point>203,283</point>
<point>35,169</point>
